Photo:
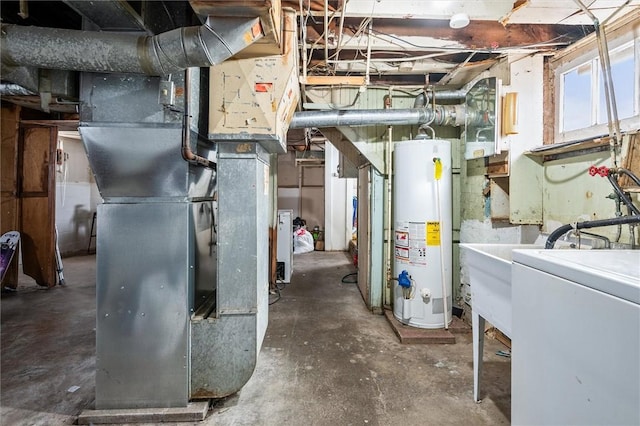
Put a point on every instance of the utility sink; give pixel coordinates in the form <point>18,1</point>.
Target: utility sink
<point>489,268</point>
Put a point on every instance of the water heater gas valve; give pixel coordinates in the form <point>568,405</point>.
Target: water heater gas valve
<point>404,280</point>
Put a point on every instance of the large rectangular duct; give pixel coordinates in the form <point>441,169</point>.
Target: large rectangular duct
<point>156,248</point>
<point>269,12</point>
<point>225,343</point>
<point>182,291</point>
<point>255,98</point>
<point>188,312</point>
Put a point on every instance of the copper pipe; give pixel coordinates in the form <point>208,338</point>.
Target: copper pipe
<point>187,154</point>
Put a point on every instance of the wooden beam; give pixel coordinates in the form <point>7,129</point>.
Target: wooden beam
<point>60,124</point>
<point>548,104</point>
<point>332,80</point>
<point>480,35</point>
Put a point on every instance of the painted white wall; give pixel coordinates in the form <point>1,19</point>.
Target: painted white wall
<point>289,198</point>
<point>339,193</point>
<point>77,197</point>
<point>525,77</point>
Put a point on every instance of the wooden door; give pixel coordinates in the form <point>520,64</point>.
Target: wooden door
<point>364,246</point>
<point>36,177</point>
<point>9,202</point>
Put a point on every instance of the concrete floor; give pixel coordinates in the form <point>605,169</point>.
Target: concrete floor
<point>326,360</point>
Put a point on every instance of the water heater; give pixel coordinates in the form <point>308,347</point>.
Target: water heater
<point>422,231</point>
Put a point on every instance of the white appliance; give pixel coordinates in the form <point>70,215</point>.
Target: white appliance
<point>423,232</point>
<point>575,337</point>
<point>284,257</point>
<point>489,269</point>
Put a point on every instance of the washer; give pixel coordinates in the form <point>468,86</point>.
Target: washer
<point>575,337</point>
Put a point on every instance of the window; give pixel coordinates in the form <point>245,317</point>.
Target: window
<point>623,69</point>
<point>581,107</point>
<point>576,99</point>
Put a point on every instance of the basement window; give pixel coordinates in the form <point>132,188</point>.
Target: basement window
<point>581,108</point>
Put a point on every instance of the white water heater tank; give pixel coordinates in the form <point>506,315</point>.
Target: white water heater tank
<point>423,232</point>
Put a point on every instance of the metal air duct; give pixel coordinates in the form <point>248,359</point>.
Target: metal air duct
<point>445,95</point>
<point>157,55</point>
<point>441,115</point>
<point>8,89</point>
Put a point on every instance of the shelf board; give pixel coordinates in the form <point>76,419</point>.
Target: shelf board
<point>569,149</point>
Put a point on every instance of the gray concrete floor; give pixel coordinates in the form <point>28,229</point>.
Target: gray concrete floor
<point>326,360</point>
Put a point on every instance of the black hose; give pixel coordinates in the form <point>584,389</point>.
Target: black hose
<point>630,174</point>
<point>621,194</point>
<point>278,287</point>
<point>278,296</point>
<point>590,224</point>
<point>346,279</point>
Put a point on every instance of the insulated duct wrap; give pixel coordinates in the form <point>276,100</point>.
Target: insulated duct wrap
<point>157,55</point>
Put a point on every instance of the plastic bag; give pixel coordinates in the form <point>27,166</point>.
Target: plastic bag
<point>302,241</point>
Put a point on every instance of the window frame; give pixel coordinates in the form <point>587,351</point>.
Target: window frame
<point>587,52</point>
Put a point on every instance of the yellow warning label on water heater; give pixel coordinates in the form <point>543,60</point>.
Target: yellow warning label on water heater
<point>437,169</point>
<point>433,233</point>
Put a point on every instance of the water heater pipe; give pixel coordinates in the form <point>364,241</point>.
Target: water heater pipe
<point>388,220</point>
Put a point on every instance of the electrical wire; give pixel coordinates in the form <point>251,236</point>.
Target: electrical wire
<point>547,43</point>
<point>406,56</point>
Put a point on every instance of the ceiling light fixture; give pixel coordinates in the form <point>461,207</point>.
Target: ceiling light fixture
<point>459,20</point>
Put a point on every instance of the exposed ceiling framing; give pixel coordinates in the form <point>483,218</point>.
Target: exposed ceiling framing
<point>359,42</point>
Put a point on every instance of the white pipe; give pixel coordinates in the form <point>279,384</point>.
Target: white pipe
<point>326,32</point>
<point>341,27</point>
<point>300,173</point>
<point>303,43</point>
<point>442,269</point>
<point>369,36</point>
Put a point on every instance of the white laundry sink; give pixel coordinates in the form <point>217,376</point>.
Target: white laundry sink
<point>489,268</point>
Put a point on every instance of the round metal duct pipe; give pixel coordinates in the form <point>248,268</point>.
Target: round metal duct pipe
<point>160,54</point>
<point>442,115</point>
<point>8,89</point>
<point>363,117</point>
<point>445,95</point>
